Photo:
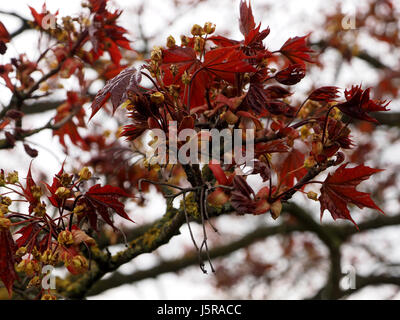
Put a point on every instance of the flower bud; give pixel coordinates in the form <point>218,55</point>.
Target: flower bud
<point>174,69</point>
<point>20,267</point>
<point>174,90</point>
<point>196,30</point>
<point>309,162</point>
<point>65,238</point>
<point>34,282</point>
<point>21,252</point>
<point>2,179</point>
<point>62,192</point>
<point>79,209</point>
<point>317,147</point>
<point>276,209</point>
<point>36,253</point>
<point>78,264</point>
<point>199,44</point>
<point>5,223</point>
<point>46,256</point>
<point>36,192</point>
<point>12,177</point>
<point>170,42</point>
<point>312,195</point>
<point>40,209</point>
<point>6,201</point>
<point>3,210</point>
<point>209,27</point>
<point>184,40</point>
<point>31,267</point>
<point>66,179</point>
<point>185,78</point>
<point>157,97</point>
<point>85,174</point>
<point>304,132</point>
<point>156,55</point>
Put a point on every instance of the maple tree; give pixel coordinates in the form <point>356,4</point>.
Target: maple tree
<point>208,81</point>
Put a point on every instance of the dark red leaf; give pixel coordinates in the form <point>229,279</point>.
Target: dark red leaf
<point>116,89</point>
<point>324,94</point>
<point>273,146</point>
<point>28,190</point>
<point>222,63</point>
<point>4,35</point>
<point>339,190</point>
<point>7,259</point>
<point>4,38</point>
<point>27,232</point>
<point>54,199</point>
<point>296,50</point>
<point>291,75</point>
<point>246,20</point>
<point>225,62</point>
<point>262,169</point>
<point>105,34</point>
<point>243,199</point>
<point>222,41</point>
<point>219,174</point>
<point>292,167</point>
<point>100,199</point>
<point>358,104</point>
<point>73,106</point>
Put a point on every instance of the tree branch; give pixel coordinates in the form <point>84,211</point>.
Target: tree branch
<point>363,55</point>
<point>24,26</point>
<point>191,259</point>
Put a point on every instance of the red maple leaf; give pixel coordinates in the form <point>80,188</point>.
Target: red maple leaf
<point>261,99</point>
<point>244,200</point>
<point>246,21</point>
<point>4,38</point>
<point>291,75</point>
<point>358,104</point>
<point>292,167</point>
<point>70,128</point>
<point>27,190</point>
<point>221,63</point>
<point>219,174</point>
<point>116,89</point>
<point>325,94</point>
<point>296,50</point>
<point>54,199</point>
<point>27,233</point>
<point>100,200</point>
<point>252,36</point>
<point>105,34</point>
<point>7,259</point>
<point>225,62</point>
<point>273,146</point>
<point>38,17</point>
<point>338,136</point>
<point>339,189</point>
<point>185,60</point>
